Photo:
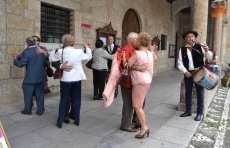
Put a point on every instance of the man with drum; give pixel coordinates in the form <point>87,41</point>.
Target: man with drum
<point>191,57</point>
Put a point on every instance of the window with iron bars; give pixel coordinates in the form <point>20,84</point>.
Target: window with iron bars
<point>163,42</point>
<point>55,22</point>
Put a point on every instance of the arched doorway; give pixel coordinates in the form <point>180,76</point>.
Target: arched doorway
<point>130,24</point>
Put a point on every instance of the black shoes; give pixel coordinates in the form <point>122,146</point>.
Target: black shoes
<point>185,114</point>
<point>137,126</point>
<point>97,98</point>
<point>198,117</point>
<point>139,136</point>
<point>59,125</point>
<point>71,116</point>
<point>67,121</point>
<point>76,123</point>
<point>24,113</point>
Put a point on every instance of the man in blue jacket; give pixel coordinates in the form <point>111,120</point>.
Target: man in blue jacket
<point>35,77</point>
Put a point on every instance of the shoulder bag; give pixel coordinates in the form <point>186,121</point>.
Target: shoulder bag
<point>59,72</point>
<point>125,76</point>
<point>90,62</point>
<point>49,71</point>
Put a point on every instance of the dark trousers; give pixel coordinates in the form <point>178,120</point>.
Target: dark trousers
<point>116,90</point>
<point>99,77</point>
<point>127,109</point>
<point>188,95</point>
<point>69,113</point>
<point>29,90</point>
<point>68,89</point>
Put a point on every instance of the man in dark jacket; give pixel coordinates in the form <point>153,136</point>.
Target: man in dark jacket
<point>111,48</point>
<point>35,76</point>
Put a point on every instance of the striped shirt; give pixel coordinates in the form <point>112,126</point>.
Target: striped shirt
<point>100,59</point>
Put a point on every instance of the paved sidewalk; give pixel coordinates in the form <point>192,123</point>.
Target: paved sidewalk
<point>99,126</point>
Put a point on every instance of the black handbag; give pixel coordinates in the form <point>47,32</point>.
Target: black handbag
<point>89,63</point>
<point>125,76</point>
<point>49,71</point>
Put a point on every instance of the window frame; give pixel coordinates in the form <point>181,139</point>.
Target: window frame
<point>55,22</point>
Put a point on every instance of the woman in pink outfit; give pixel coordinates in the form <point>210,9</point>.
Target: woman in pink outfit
<point>141,81</point>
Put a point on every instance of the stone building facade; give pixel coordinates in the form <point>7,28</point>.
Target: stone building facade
<point>22,18</point>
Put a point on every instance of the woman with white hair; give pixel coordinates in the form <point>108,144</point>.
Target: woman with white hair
<point>70,83</point>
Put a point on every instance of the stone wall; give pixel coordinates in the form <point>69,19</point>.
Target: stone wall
<point>21,18</point>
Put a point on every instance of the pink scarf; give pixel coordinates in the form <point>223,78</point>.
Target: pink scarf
<point>115,74</point>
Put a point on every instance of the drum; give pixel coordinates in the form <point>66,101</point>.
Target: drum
<point>205,78</point>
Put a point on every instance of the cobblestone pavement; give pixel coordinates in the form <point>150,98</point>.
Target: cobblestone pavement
<point>214,131</point>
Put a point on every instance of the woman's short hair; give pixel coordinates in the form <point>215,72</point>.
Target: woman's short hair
<point>37,38</point>
<point>69,40</point>
<point>63,37</point>
<point>144,39</point>
<point>99,44</point>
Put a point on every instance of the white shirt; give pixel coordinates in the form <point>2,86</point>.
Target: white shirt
<point>74,58</point>
<point>112,46</point>
<point>207,55</point>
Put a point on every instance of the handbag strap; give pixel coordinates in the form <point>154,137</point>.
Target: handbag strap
<point>126,69</point>
<point>62,55</point>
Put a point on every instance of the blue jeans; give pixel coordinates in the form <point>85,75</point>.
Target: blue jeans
<point>188,95</point>
<point>67,89</point>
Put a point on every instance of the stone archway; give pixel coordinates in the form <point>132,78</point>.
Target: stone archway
<point>130,23</point>
<point>178,5</point>
<point>138,8</point>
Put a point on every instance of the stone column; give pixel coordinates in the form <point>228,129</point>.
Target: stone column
<point>199,20</point>
<point>217,35</point>
<point>223,43</point>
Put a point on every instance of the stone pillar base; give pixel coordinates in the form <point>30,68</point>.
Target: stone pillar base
<point>182,107</point>
<point>181,104</point>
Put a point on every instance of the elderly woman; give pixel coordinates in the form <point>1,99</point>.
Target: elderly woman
<point>100,69</point>
<point>141,81</point>
<point>70,83</point>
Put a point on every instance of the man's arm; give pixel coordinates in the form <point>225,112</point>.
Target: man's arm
<point>180,63</point>
<point>22,62</point>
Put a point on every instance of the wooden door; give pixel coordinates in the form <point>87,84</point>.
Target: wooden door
<point>130,24</point>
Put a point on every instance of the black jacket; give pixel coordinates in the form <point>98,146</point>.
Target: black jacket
<point>114,51</point>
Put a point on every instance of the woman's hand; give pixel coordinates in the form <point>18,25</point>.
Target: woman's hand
<point>153,48</point>
<point>205,46</point>
<point>39,50</point>
<point>123,55</point>
<point>85,45</point>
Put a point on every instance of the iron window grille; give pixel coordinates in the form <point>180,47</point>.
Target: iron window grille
<point>55,22</point>
<point>163,42</point>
